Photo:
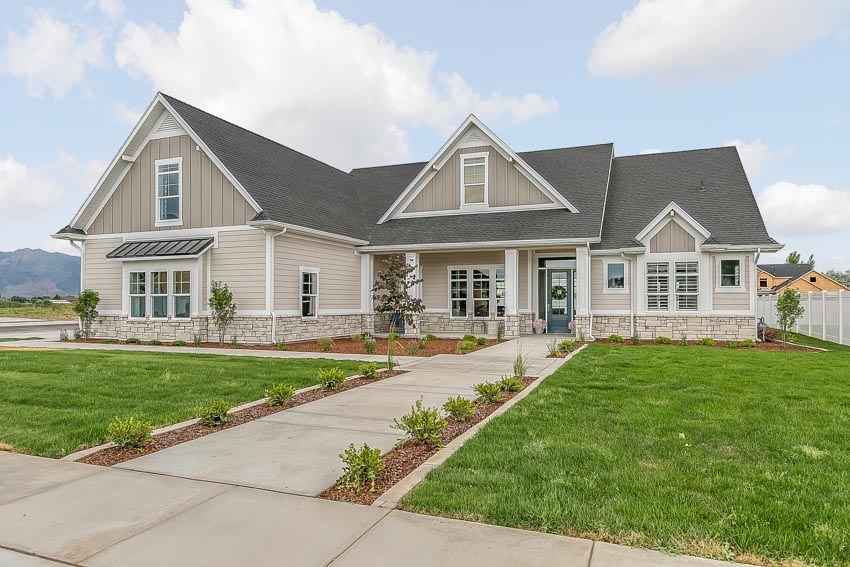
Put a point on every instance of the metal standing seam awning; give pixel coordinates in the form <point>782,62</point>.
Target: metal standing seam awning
<point>176,248</point>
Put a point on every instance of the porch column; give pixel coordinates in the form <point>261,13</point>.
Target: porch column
<point>511,282</point>
<point>412,259</point>
<point>366,263</point>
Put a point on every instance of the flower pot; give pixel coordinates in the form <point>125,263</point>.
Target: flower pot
<point>538,330</point>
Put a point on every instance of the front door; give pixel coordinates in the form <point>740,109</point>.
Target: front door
<point>560,300</point>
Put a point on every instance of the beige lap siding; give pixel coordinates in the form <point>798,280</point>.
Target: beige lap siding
<point>724,301</point>
<point>240,262</point>
<point>599,300</point>
<point>339,273</point>
<point>435,288</point>
<point>102,275</point>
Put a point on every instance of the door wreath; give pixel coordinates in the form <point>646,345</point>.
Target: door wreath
<point>559,292</point>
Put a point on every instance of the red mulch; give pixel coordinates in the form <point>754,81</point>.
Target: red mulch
<point>115,455</point>
<point>406,456</point>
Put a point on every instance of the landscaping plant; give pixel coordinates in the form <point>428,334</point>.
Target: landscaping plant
<point>520,366</point>
<point>391,347</point>
<point>369,345</point>
<point>747,343</point>
<point>368,369</point>
<point>430,337</point>
<point>281,345</point>
<point>683,341</point>
<point>391,292</point>
<point>707,341</point>
<point>222,308</point>
<point>153,342</point>
<point>110,341</point>
<point>234,343</point>
<point>413,347</point>
<point>662,340</point>
<point>331,378</point>
<point>567,345</point>
<point>470,338</point>
<point>393,337</point>
<point>214,413</point>
<point>176,343</point>
<point>481,341</point>
<point>132,341</point>
<point>129,433</point>
<point>488,392</point>
<point>615,340</point>
<point>196,340</point>
<point>459,408</point>
<point>86,309</point>
<point>361,467</point>
<point>465,346</point>
<point>425,425</point>
<point>510,384</point>
<point>636,338</point>
<point>325,343</point>
<point>279,394</point>
<point>552,348</point>
<point>788,311</point>
<point>63,335</point>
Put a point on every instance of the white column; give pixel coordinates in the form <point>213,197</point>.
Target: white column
<point>511,282</point>
<point>841,316</point>
<point>810,313</point>
<point>582,281</point>
<point>823,314</point>
<point>412,259</point>
<point>366,266</point>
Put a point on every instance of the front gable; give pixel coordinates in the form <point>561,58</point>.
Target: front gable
<point>509,183</point>
<point>673,230</point>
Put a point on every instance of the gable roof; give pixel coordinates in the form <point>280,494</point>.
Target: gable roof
<point>793,271</point>
<point>709,184</point>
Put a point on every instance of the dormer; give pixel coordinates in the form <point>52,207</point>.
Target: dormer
<point>673,231</point>
<point>473,173</point>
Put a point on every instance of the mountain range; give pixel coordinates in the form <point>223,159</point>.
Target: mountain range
<point>33,273</point>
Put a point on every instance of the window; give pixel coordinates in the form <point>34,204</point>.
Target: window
<point>473,170</point>
<point>763,282</point>
<point>615,275</point>
<point>813,279</point>
<point>500,292</point>
<point>459,292</point>
<point>137,294</point>
<point>481,293</point>
<point>309,293</point>
<point>730,273</point>
<point>168,191</point>
<point>687,286</point>
<point>657,286</point>
<point>182,294</point>
<point>159,295</point>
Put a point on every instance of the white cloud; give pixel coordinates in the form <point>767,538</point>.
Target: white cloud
<point>111,8</point>
<point>679,41</point>
<point>789,208</point>
<point>128,114</point>
<point>311,79</point>
<point>648,151</point>
<point>52,55</point>
<point>84,175</point>
<point>24,191</point>
<point>55,245</point>
<point>757,155</point>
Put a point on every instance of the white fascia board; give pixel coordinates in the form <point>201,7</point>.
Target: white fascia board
<point>664,213</point>
<point>481,245</point>
<point>618,251</point>
<point>742,247</point>
<point>305,230</point>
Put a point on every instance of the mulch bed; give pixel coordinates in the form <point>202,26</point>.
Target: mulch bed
<point>720,344</point>
<point>406,456</point>
<point>115,455</point>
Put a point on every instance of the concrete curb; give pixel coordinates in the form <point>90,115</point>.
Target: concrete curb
<point>77,455</point>
<point>391,497</point>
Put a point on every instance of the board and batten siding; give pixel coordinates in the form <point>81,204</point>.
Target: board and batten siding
<point>672,238</point>
<point>102,275</point>
<point>731,301</point>
<point>506,185</point>
<point>209,199</point>
<point>240,262</point>
<point>599,300</point>
<point>339,273</point>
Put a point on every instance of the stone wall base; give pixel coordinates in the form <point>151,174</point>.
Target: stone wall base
<point>293,329</point>
<point>441,323</point>
<point>718,327</point>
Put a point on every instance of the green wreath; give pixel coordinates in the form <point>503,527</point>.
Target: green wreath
<point>559,292</point>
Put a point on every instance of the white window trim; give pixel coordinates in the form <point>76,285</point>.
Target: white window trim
<point>130,296</point>
<point>166,295</point>
<point>172,296</point>
<point>486,203</point>
<point>470,306</point>
<point>670,284</point>
<point>697,294</point>
<point>168,161</point>
<point>169,266</point>
<point>615,290</point>
<point>718,288</point>
<point>301,271</point>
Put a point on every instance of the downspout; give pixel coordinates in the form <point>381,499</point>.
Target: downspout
<point>631,294</point>
<point>589,294</point>
<point>271,289</point>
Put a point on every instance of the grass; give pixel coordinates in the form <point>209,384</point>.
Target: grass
<point>12,339</point>
<point>56,311</point>
<point>52,402</point>
<point>729,454</point>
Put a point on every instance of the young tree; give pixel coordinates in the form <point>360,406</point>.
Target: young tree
<point>793,258</point>
<point>222,307</point>
<point>811,261</point>
<point>788,311</point>
<point>392,289</point>
<point>86,309</point>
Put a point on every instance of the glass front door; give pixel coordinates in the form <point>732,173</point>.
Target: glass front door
<point>559,306</point>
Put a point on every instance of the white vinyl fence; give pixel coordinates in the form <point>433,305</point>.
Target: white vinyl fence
<point>827,315</point>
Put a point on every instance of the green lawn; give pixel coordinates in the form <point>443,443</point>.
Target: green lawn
<point>705,451</point>
<point>13,339</point>
<point>51,402</point>
<point>60,311</point>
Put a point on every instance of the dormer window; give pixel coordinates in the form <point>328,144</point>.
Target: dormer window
<point>473,175</point>
<point>169,192</point>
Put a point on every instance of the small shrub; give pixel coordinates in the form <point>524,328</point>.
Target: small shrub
<point>331,378</point>
<point>178,343</point>
<point>567,345</point>
<point>661,340</point>
<point>423,344</point>
<point>368,369</point>
<point>470,338</point>
<point>369,345</point>
<point>747,343</point>
<point>360,468</point>
<point>325,343</point>
<point>731,344</point>
<point>214,413</point>
<point>636,338</point>
<point>357,337</point>
<point>459,408</point>
<point>552,348</point>
<point>196,340</point>
<point>279,394</point>
<point>77,334</point>
<point>63,335</point>
<point>481,341</point>
<point>132,341</point>
<point>430,337</point>
<point>489,392</point>
<point>707,341</point>
<point>683,341</point>
<point>510,384</point>
<point>393,337</point>
<point>392,347</point>
<point>581,336</point>
<point>465,346</point>
<point>615,340</point>
<point>234,343</point>
<point>425,425</point>
<point>155,342</point>
<point>520,366</point>
<point>129,433</point>
<point>281,345</point>
<point>413,347</point>
<point>110,341</point>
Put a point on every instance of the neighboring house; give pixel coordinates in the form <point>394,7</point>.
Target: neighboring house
<point>661,244</point>
<point>774,278</point>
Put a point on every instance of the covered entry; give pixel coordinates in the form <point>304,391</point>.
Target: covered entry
<point>556,293</point>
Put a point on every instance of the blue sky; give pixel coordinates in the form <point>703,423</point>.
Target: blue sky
<point>364,83</point>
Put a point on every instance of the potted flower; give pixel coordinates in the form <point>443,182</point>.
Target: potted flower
<point>538,326</point>
<point>572,326</point>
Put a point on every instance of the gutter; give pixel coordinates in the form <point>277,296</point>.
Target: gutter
<point>589,294</point>
<point>632,276</point>
<point>270,284</point>
<point>265,224</point>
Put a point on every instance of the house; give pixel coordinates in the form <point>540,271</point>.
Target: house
<point>660,244</point>
<point>775,278</point>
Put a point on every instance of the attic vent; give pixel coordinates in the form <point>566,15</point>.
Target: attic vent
<point>168,124</point>
<point>474,137</point>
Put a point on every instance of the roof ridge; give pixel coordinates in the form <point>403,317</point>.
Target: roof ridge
<point>677,152</point>
<point>566,148</point>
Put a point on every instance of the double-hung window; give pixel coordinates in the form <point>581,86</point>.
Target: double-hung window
<point>138,297</point>
<point>169,206</point>
<point>477,291</point>
<point>182,294</point>
<point>309,292</point>
<point>481,293</point>
<point>473,169</point>
<point>657,286</point>
<point>730,273</point>
<point>687,286</point>
<point>459,290</point>
<point>159,295</point>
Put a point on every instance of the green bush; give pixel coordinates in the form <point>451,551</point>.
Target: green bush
<point>178,343</point>
<point>683,341</point>
<point>132,341</point>
<point>356,337</point>
<point>325,343</point>
<point>660,340</point>
<point>636,338</point>
<point>63,335</point>
<point>747,343</point>
<point>430,337</point>
<point>214,413</point>
<point>234,343</point>
<point>393,337</point>
<point>129,433</point>
<point>425,425</point>
<point>567,345</point>
<point>489,392</point>
<point>470,338</point>
<point>369,345</point>
<point>459,408</point>
<point>706,341</point>
<point>465,346</point>
<point>615,339</point>
<point>361,467</point>
<point>331,378</point>
<point>111,341</point>
<point>731,344</point>
<point>196,340</point>
<point>413,347</point>
<point>368,369</point>
<point>281,345</point>
<point>481,341</point>
<point>510,384</point>
<point>279,394</point>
